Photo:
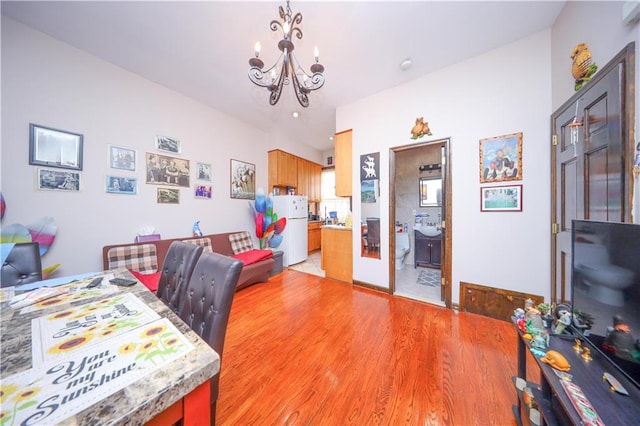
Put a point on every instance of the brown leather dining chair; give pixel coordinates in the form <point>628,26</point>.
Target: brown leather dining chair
<point>22,266</point>
<point>177,269</point>
<point>206,304</point>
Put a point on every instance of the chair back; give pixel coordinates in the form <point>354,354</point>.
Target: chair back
<point>373,232</point>
<point>206,303</point>
<point>22,266</point>
<point>177,269</point>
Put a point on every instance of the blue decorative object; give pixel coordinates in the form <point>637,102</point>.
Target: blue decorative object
<point>196,229</point>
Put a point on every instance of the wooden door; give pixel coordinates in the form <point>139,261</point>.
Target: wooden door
<point>591,177</point>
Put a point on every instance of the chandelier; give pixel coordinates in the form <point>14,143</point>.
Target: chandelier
<point>286,70</point>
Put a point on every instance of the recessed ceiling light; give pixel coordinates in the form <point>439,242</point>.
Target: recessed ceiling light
<point>295,114</point>
<point>330,138</point>
<point>406,64</point>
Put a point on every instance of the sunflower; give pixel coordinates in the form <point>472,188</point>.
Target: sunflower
<point>62,314</point>
<point>26,394</point>
<point>7,390</point>
<point>148,346</point>
<point>71,344</point>
<point>153,331</point>
<point>127,348</point>
<point>171,341</point>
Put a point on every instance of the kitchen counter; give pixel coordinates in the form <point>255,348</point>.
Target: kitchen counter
<point>337,252</point>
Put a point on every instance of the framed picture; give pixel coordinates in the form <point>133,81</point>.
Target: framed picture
<point>54,148</point>
<point>121,185</point>
<point>501,158</point>
<point>202,191</point>
<point>501,198</point>
<point>58,180</point>
<point>243,180</point>
<point>122,158</point>
<point>166,144</point>
<point>163,170</point>
<point>203,171</point>
<point>368,191</point>
<point>168,196</point>
<point>369,166</point>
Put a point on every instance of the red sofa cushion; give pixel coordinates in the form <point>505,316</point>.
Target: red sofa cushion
<point>149,280</point>
<point>253,256</point>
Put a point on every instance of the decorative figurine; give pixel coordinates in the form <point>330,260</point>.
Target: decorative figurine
<point>578,346</point>
<point>586,354</point>
<point>420,129</point>
<point>563,322</point>
<point>620,341</point>
<point>582,67</point>
<point>556,360</point>
<point>196,229</point>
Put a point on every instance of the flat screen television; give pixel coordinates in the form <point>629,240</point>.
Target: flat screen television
<point>605,290</point>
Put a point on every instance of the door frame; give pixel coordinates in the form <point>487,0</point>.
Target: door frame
<point>447,225</point>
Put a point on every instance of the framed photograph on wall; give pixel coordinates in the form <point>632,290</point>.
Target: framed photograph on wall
<point>166,144</point>
<point>58,180</point>
<point>243,180</point>
<point>203,171</point>
<point>121,185</point>
<point>202,191</point>
<point>164,170</point>
<point>54,148</point>
<point>506,198</point>
<point>168,196</point>
<point>501,158</point>
<point>122,158</point>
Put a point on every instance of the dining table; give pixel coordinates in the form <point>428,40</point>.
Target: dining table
<point>87,352</point>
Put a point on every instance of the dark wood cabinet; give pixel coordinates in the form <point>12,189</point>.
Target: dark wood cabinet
<point>428,251</point>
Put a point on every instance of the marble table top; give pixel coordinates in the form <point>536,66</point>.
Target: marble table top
<point>140,401</point>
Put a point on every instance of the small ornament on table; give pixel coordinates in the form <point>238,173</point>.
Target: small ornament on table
<point>586,354</point>
<point>578,346</point>
<point>196,229</point>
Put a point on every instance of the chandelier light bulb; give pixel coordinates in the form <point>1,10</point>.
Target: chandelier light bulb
<point>257,49</point>
<point>285,28</point>
<point>316,53</point>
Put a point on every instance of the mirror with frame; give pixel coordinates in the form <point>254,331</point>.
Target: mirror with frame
<point>430,192</point>
<point>370,205</point>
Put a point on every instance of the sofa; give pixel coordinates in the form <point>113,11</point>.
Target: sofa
<point>145,258</point>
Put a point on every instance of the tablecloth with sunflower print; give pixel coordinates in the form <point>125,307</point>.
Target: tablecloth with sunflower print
<point>66,385</point>
<point>65,331</point>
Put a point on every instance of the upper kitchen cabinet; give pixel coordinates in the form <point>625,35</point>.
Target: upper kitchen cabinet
<point>344,169</point>
<point>283,169</point>
<point>309,175</point>
<point>288,170</point>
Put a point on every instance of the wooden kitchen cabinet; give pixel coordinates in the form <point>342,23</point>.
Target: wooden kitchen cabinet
<point>283,169</point>
<point>344,168</point>
<point>314,236</point>
<point>309,175</point>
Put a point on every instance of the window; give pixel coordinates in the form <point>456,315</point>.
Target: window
<point>330,202</point>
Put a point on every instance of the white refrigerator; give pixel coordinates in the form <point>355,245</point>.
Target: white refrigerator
<point>294,235</point>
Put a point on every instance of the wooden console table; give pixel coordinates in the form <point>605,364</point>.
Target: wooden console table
<point>555,406</point>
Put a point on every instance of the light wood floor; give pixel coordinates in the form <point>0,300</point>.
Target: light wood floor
<point>307,350</point>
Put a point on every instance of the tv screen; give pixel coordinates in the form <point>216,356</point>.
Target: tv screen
<point>605,283</point>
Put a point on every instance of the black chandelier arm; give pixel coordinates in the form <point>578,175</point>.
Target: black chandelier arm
<point>276,89</point>
<point>301,91</point>
<point>275,24</point>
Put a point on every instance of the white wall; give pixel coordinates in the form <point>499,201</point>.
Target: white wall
<point>599,25</point>
<point>53,84</point>
<point>501,92</point>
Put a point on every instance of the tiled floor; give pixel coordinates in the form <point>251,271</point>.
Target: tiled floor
<point>407,284</point>
<point>406,279</point>
<point>310,266</point>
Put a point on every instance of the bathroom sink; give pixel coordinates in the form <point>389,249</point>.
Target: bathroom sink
<point>428,231</point>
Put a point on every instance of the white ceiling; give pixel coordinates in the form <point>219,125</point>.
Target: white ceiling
<point>201,49</point>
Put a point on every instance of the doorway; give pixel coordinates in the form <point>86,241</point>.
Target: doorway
<point>419,213</point>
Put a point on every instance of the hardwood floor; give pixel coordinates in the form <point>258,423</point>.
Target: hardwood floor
<point>307,350</point>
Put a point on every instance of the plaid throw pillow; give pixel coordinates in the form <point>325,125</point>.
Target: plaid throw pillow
<point>205,242</point>
<point>141,258</point>
<point>241,242</point>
